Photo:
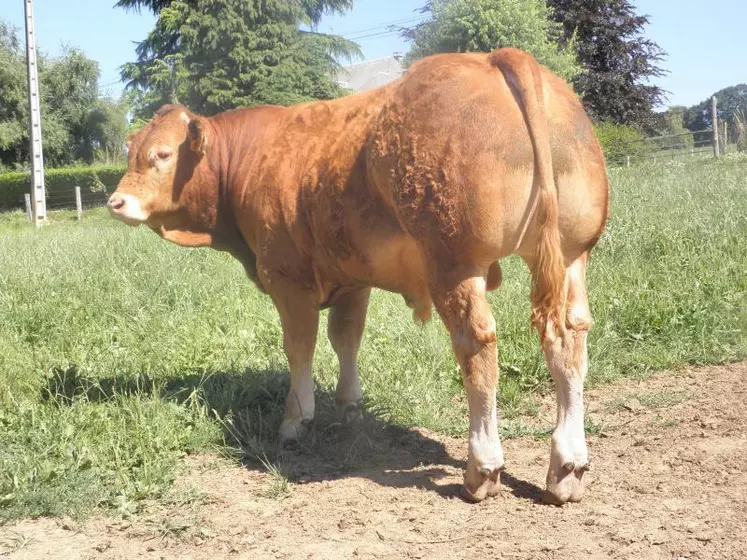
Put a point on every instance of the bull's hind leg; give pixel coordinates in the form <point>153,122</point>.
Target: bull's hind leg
<point>345,330</point>
<point>464,309</point>
<point>566,357</point>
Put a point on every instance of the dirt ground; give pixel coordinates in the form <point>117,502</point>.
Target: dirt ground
<point>668,480</point>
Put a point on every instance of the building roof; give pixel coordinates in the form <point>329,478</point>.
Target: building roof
<point>371,74</point>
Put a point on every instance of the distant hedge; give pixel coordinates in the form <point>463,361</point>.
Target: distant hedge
<point>59,181</point>
<point>620,141</point>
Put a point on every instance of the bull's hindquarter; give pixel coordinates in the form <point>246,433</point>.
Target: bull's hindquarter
<point>419,188</point>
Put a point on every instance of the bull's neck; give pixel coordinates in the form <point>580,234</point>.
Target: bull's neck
<point>222,185</point>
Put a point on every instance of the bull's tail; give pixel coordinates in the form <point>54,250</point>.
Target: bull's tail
<point>522,74</point>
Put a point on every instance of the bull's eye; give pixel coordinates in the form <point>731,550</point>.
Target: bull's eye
<point>163,154</point>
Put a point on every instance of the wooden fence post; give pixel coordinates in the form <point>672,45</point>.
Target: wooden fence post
<point>78,203</point>
<point>714,119</point>
<point>725,126</point>
<point>27,198</point>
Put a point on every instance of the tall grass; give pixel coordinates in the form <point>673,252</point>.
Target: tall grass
<point>120,352</point>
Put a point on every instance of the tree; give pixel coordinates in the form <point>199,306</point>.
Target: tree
<point>730,101</point>
<point>618,60</point>
<point>671,125</point>
<point>732,109</point>
<point>485,25</point>
<point>314,9</point>
<point>215,55</point>
<point>76,123</point>
<point>69,88</point>
<point>13,103</point>
<point>104,131</point>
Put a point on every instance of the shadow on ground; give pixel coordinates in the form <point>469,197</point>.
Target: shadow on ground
<point>249,406</point>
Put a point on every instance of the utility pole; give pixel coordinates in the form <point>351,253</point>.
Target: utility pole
<point>38,196</point>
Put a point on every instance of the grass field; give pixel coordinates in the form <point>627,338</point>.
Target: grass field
<point>119,352</point>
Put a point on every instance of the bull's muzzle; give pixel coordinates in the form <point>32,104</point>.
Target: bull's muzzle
<point>116,203</point>
<point>127,208</point>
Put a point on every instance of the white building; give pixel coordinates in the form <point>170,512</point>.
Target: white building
<point>371,74</point>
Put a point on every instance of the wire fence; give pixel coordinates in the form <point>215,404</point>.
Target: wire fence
<point>67,200</point>
<point>710,142</point>
<point>690,144</point>
<point>70,199</point>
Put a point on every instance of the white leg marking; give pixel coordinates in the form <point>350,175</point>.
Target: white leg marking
<point>569,437</point>
<point>299,405</point>
<point>484,442</point>
<point>348,385</point>
<point>567,360</point>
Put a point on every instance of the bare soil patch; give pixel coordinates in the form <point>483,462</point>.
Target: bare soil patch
<point>669,480</point>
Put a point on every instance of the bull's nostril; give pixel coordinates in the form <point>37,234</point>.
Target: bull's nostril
<point>116,203</point>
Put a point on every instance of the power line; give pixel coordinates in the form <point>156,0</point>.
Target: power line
<point>372,35</point>
<point>110,84</point>
<point>351,34</point>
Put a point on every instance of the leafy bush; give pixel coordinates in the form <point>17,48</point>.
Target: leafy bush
<point>59,181</point>
<point>620,141</point>
<point>485,25</point>
<point>110,175</point>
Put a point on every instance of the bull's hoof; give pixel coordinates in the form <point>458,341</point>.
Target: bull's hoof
<point>349,412</point>
<point>481,484</point>
<point>565,483</point>
<point>292,432</point>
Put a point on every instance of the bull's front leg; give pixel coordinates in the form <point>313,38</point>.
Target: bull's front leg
<point>299,317</point>
<point>345,330</point>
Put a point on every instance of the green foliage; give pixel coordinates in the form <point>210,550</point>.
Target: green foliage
<point>313,9</point>
<point>59,181</point>
<point>110,175</point>
<point>112,365</point>
<point>13,103</point>
<point>214,55</point>
<point>77,124</point>
<point>618,60</point>
<point>72,81</point>
<point>485,25</point>
<point>670,123</point>
<point>619,141</point>
<point>104,131</point>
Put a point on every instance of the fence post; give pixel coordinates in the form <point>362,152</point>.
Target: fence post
<point>725,126</point>
<point>627,161</point>
<point>27,198</point>
<point>78,203</point>
<point>714,119</point>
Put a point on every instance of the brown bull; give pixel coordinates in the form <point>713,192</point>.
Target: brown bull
<point>419,187</point>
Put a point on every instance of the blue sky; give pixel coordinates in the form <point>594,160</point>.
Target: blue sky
<point>703,39</point>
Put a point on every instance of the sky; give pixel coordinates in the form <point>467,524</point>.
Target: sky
<point>703,40</point>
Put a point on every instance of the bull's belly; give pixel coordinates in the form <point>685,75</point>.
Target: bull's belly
<point>394,263</point>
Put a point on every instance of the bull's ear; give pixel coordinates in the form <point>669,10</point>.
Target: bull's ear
<point>198,139</point>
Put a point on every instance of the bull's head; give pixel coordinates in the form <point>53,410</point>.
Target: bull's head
<point>165,186</point>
